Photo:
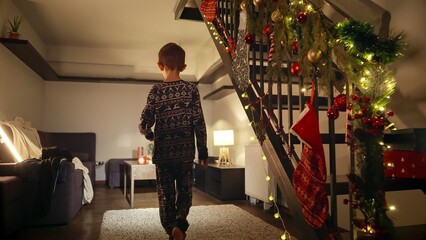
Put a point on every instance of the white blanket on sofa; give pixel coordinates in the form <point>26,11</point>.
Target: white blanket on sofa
<point>88,188</point>
<point>26,147</point>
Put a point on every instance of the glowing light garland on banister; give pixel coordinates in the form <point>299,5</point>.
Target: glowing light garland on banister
<point>4,138</point>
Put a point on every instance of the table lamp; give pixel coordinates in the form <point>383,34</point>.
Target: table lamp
<point>223,138</point>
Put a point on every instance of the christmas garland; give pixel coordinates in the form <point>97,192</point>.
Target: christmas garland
<point>361,42</point>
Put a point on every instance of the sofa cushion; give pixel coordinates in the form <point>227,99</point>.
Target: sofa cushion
<point>84,157</point>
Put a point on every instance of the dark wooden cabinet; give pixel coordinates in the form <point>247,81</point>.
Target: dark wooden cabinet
<point>222,182</point>
<point>200,177</point>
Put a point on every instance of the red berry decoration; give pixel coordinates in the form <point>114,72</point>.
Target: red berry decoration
<point>340,102</point>
<point>266,30</point>
<point>390,114</point>
<point>295,47</point>
<point>249,38</point>
<point>354,97</point>
<point>295,68</point>
<point>332,114</point>
<point>372,131</point>
<point>367,100</point>
<point>301,17</point>
<point>366,121</point>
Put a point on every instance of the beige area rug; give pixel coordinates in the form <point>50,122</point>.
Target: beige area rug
<point>206,222</point>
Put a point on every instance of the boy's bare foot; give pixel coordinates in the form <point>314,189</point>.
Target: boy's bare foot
<point>178,234</point>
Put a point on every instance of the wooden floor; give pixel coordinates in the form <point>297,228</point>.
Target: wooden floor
<point>86,224</point>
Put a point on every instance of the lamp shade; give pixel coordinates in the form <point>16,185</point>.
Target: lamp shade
<point>223,137</point>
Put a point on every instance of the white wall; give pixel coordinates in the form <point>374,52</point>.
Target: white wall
<point>110,110</point>
<point>228,113</point>
<point>21,90</point>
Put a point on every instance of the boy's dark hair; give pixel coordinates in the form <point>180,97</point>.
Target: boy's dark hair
<point>172,56</point>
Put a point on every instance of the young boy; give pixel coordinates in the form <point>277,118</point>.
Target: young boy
<point>174,107</point>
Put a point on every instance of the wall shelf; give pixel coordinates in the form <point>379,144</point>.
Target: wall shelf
<point>29,55</point>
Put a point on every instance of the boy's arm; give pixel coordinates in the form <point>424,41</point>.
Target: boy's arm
<point>199,127</point>
<point>147,118</point>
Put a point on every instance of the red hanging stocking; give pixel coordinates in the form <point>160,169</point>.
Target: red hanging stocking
<point>310,174</point>
<point>208,8</point>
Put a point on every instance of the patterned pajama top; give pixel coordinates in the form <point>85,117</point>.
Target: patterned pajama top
<point>175,109</point>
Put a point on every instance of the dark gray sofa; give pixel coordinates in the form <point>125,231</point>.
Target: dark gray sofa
<point>19,193</point>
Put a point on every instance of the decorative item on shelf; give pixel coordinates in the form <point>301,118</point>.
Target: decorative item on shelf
<point>14,27</point>
<point>223,138</point>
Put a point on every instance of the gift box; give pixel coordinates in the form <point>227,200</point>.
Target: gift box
<point>405,164</point>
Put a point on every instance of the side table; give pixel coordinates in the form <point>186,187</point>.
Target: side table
<point>137,171</point>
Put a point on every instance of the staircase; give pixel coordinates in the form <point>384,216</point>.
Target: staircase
<point>272,104</point>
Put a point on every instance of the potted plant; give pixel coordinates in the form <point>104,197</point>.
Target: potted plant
<point>14,27</point>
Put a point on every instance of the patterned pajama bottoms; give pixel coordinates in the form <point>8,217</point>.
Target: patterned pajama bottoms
<point>174,188</point>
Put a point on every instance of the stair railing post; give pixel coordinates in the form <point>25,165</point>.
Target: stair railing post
<point>332,159</point>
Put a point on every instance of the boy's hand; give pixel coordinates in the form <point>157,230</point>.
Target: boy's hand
<point>204,163</point>
<point>149,135</point>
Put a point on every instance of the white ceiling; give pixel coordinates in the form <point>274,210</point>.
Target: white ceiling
<point>116,38</point>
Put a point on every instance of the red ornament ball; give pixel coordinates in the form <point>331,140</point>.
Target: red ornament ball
<point>340,102</point>
<point>332,114</point>
<point>267,30</point>
<point>301,17</point>
<point>390,114</point>
<point>295,47</point>
<point>249,38</point>
<point>295,68</point>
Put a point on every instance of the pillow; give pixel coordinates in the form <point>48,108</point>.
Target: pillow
<point>84,157</point>
<point>55,151</point>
